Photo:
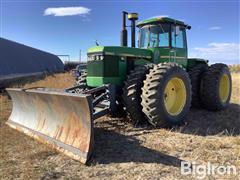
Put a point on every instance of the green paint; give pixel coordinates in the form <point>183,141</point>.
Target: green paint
<point>121,51</point>
<point>161,55</point>
<point>157,20</point>
<point>99,81</point>
<point>110,70</point>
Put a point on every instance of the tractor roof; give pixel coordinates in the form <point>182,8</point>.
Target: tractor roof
<point>160,19</point>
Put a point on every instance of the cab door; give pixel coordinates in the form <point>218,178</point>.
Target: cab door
<point>178,52</point>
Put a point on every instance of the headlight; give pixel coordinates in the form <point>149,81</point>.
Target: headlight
<point>95,57</point>
<point>101,57</point>
<point>90,57</point>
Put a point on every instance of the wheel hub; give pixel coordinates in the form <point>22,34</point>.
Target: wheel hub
<point>224,88</point>
<point>175,96</point>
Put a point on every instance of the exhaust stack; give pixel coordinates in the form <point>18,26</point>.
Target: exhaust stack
<point>133,17</point>
<point>124,34</point>
<point>124,40</point>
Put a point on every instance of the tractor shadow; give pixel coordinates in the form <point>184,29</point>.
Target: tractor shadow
<point>112,147</point>
<point>206,123</point>
<point>200,122</point>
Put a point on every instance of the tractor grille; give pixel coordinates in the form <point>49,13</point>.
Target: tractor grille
<point>95,68</point>
<point>109,67</point>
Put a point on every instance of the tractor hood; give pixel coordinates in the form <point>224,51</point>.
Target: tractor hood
<point>121,51</point>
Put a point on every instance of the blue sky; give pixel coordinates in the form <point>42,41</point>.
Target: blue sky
<point>43,25</point>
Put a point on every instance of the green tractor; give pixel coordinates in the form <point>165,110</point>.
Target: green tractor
<point>155,83</point>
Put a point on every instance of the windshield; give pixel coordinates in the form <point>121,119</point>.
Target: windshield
<point>154,36</point>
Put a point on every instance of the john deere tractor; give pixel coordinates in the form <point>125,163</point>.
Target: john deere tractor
<point>155,83</point>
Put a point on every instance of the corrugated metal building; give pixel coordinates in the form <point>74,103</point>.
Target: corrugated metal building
<point>17,58</point>
<point>20,60</point>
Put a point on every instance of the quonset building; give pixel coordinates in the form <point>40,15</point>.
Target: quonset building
<point>18,60</point>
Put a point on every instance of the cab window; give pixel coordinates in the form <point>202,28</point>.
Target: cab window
<point>155,36</point>
<point>144,32</point>
<point>159,35</point>
<point>178,37</point>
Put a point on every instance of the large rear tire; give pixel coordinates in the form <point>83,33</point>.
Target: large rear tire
<point>132,93</point>
<point>195,75</point>
<point>216,87</point>
<point>166,95</point>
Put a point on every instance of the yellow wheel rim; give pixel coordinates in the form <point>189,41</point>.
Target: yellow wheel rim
<point>175,96</point>
<point>224,88</point>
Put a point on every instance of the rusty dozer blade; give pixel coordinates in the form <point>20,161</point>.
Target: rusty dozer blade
<point>63,120</point>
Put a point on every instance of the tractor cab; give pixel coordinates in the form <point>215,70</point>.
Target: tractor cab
<point>166,37</point>
<point>160,39</point>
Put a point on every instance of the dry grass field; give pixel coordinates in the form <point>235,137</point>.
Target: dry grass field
<point>234,68</point>
<point>123,151</point>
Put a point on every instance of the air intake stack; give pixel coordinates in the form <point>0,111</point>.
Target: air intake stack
<point>124,40</point>
<point>133,17</point>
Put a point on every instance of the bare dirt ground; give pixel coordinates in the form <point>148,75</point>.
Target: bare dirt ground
<point>123,151</point>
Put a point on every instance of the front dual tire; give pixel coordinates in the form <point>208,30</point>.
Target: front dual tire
<point>166,95</point>
<point>132,93</point>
